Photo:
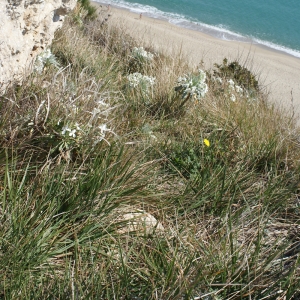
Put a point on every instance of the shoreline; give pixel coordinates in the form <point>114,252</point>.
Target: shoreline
<point>211,30</point>
<point>278,71</point>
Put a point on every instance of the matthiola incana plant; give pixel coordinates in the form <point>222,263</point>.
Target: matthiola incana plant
<point>139,60</point>
<point>141,54</point>
<point>43,59</point>
<point>84,120</point>
<point>192,86</point>
<point>70,130</point>
<point>142,82</point>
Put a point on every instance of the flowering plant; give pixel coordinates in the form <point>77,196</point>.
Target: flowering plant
<point>233,88</point>
<point>71,132</point>
<point>238,78</point>
<point>229,88</point>
<point>192,86</point>
<point>144,82</point>
<point>43,59</point>
<point>84,120</point>
<point>139,59</point>
<point>142,55</point>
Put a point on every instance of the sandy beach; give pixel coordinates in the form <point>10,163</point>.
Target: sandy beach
<point>278,72</point>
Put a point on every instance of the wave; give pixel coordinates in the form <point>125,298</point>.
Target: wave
<point>219,31</point>
<point>277,47</point>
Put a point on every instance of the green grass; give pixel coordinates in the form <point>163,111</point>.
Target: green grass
<point>230,210</point>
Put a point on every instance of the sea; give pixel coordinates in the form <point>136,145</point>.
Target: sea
<point>271,23</point>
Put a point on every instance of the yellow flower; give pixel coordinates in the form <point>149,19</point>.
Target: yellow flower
<point>206,142</point>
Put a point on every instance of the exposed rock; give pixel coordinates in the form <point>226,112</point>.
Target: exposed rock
<point>139,221</point>
<point>26,28</point>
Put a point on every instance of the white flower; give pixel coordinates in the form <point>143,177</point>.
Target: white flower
<point>101,102</point>
<point>232,98</point>
<point>77,127</point>
<point>72,133</point>
<point>103,128</point>
<point>239,89</point>
<point>65,129</point>
<point>231,82</point>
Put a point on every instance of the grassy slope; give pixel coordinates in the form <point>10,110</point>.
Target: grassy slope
<point>230,210</point>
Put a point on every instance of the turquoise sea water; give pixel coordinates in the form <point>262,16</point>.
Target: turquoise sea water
<point>273,23</point>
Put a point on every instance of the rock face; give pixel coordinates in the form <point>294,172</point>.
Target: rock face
<point>26,28</point>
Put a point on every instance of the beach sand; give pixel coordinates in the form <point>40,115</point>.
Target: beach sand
<point>278,72</point>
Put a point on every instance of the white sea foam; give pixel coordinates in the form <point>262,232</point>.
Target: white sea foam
<point>219,31</point>
<point>277,47</point>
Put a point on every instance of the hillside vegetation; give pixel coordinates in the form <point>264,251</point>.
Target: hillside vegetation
<point>106,135</point>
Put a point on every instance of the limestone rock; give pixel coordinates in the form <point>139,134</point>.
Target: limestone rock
<point>27,28</point>
<point>139,221</point>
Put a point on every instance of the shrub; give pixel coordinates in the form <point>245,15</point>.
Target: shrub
<point>241,75</point>
<point>91,10</point>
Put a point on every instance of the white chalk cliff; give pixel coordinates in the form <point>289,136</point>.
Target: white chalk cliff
<point>27,28</point>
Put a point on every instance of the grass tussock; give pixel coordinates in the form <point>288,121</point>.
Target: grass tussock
<point>84,144</point>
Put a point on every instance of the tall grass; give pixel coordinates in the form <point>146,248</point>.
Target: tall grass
<point>80,148</point>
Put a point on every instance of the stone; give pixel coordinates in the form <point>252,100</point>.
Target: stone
<point>27,28</point>
<point>139,221</point>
